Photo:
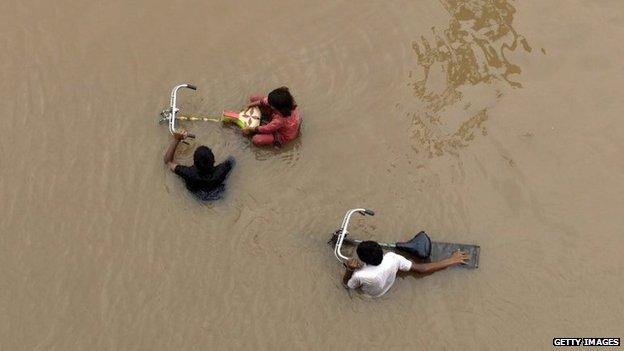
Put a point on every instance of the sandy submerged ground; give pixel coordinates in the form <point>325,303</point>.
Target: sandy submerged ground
<point>489,122</point>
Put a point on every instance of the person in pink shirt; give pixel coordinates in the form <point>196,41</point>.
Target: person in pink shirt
<point>283,125</point>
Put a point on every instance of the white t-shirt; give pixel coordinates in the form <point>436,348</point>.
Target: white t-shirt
<point>376,280</point>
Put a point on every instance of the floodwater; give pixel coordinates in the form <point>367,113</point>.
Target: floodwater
<point>493,122</point>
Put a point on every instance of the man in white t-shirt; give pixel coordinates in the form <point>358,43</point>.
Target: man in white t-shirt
<point>374,272</point>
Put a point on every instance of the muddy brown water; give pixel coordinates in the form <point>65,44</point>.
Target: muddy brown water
<point>489,122</point>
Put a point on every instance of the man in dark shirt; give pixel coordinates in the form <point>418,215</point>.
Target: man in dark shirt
<point>203,178</point>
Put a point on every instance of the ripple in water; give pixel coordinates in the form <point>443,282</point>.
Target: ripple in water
<point>287,154</point>
<point>463,70</point>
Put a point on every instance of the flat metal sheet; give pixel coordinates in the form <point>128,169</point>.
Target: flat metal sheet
<point>442,250</point>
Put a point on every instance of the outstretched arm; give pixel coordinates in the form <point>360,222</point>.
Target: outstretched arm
<point>173,145</point>
<point>458,257</point>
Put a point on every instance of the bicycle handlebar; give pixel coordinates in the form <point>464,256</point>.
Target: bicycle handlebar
<point>343,230</point>
<point>174,109</point>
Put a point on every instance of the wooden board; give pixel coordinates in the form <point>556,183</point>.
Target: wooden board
<point>442,250</point>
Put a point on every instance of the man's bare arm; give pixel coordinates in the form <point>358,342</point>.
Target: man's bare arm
<point>458,257</point>
<point>351,265</point>
<point>173,145</point>
<point>345,279</point>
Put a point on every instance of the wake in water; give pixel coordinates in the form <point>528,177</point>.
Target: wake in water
<point>464,62</point>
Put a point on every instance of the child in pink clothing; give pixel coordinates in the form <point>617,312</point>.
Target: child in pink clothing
<point>284,119</point>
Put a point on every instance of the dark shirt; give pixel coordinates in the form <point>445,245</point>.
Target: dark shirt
<point>206,186</point>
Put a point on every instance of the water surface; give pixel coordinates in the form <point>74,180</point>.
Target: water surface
<point>489,122</point>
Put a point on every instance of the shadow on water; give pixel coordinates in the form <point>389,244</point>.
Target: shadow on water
<point>463,70</point>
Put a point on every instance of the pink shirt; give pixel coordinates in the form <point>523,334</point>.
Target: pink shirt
<point>283,128</point>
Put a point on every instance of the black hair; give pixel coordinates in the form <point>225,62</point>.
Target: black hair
<point>281,100</point>
<point>370,252</point>
<point>203,159</point>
